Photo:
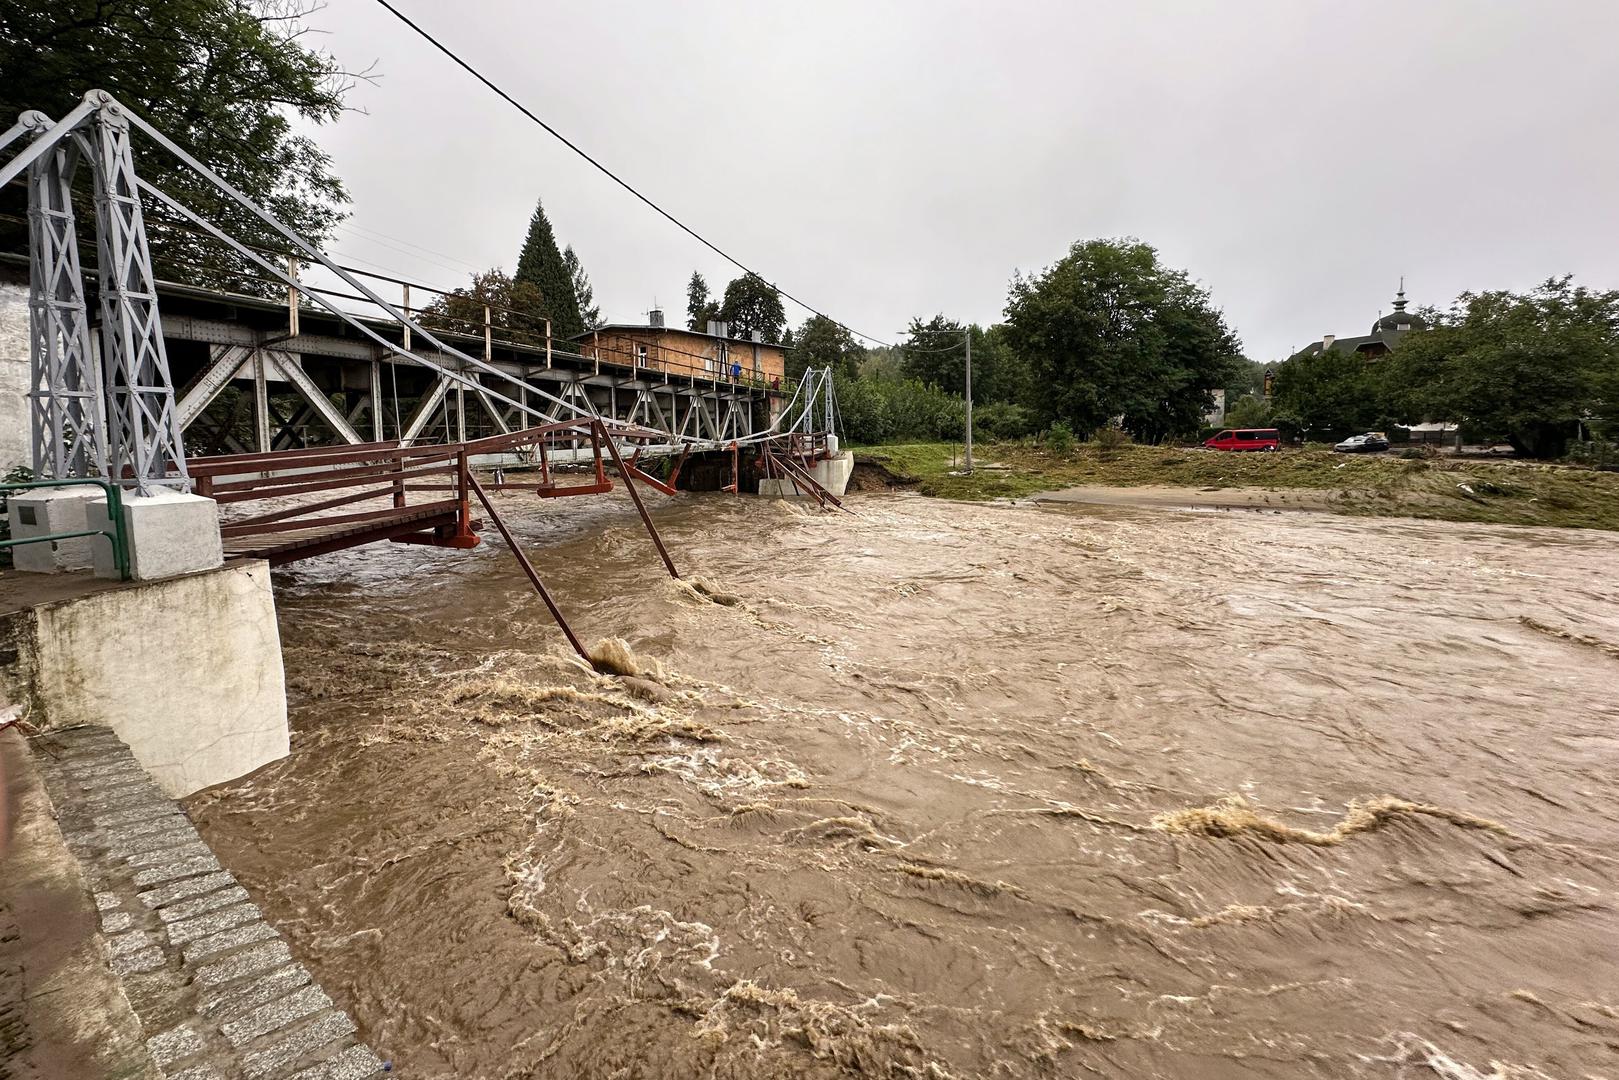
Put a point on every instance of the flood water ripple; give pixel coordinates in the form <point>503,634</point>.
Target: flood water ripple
<point>955,791</point>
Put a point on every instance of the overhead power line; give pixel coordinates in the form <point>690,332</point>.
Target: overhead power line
<point>610,174</point>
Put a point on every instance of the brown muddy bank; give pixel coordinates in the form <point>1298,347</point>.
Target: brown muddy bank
<point>954,791</point>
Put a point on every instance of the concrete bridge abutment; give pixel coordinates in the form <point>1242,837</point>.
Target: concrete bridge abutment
<point>186,670</point>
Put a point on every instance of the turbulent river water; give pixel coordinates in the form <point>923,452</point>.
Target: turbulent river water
<point>943,790</point>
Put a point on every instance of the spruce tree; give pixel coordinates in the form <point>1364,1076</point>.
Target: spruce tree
<point>699,308</point>
<point>542,266</point>
<point>583,294</point>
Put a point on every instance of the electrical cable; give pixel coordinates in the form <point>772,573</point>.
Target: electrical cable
<point>605,171</point>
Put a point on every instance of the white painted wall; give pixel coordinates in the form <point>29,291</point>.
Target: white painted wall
<point>186,670</point>
<point>831,473</point>
<point>15,442</point>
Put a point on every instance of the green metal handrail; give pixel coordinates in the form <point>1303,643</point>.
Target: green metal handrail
<point>115,515</point>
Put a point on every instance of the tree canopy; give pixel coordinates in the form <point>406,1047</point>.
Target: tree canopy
<point>512,305</point>
<point>700,310</point>
<point>820,342</point>
<point>584,294</point>
<point>1331,394</point>
<point>541,266</point>
<point>225,79</point>
<point>1525,367</point>
<point>935,353</point>
<point>751,303</point>
<point>1111,332</point>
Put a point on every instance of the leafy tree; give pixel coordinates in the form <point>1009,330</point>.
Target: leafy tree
<point>999,372</point>
<point>1110,332</point>
<point>823,343</point>
<point>582,291</point>
<point>935,353</point>
<point>1247,378</point>
<point>228,80</point>
<point>513,307</point>
<point>881,410</point>
<point>1527,367</point>
<point>1248,412</point>
<point>751,303</point>
<point>700,309</point>
<point>1331,394</point>
<point>1002,420</point>
<point>541,266</point>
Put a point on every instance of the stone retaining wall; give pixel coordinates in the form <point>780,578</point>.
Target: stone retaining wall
<point>217,992</point>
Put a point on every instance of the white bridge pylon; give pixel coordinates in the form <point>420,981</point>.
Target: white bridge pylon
<point>119,418</point>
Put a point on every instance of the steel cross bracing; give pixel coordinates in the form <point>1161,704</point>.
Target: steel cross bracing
<point>65,393</point>
<point>123,420</point>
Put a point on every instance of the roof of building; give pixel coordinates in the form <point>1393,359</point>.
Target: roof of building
<point>1400,319</point>
<point>1386,331</point>
<point>671,330</point>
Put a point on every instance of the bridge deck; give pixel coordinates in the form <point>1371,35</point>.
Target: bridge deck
<point>289,546</point>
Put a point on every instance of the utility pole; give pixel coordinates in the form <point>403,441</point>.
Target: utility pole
<point>967,336</point>
<point>967,333</point>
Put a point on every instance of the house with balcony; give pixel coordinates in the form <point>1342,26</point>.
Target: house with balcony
<point>713,354</point>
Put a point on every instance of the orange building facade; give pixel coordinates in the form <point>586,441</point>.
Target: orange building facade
<point>686,352</point>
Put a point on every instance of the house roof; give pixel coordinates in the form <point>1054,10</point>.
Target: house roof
<point>1386,338</point>
<point>644,327</point>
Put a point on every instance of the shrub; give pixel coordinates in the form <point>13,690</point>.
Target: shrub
<point>1059,438</point>
<point>1003,420</point>
<point>884,410</point>
<point>1110,440</point>
<point>1595,454</point>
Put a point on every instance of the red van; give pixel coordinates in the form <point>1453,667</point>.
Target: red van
<point>1245,439</point>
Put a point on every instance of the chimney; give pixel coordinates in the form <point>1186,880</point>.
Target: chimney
<point>655,318</point>
<point>1327,340</point>
<point>758,336</point>
<point>718,329</point>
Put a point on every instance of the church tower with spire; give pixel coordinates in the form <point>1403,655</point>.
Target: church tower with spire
<point>1400,320</point>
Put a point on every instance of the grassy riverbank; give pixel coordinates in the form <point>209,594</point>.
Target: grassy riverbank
<point>1497,491</point>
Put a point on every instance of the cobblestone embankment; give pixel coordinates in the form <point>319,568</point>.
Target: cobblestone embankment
<point>217,992</point>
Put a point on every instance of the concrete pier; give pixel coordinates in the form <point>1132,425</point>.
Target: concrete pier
<point>831,473</point>
<point>187,670</point>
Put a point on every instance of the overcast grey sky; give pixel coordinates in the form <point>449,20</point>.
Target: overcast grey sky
<point>884,160</point>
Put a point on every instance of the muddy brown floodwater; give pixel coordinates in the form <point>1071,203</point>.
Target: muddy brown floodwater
<point>956,791</point>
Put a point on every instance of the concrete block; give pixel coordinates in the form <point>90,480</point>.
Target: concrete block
<point>201,905</point>
<point>115,922</point>
<point>306,1040</point>
<point>169,533</point>
<point>275,1014</point>
<point>187,671</point>
<point>170,1046</point>
<point>148,959</point>
<point>128,942</point>
<point>180,868</point>
<point>271,954</point>
<point>265,988</point>
<point>355,1063</point>
<point>198,1072</point>
<point>187,852</point>
<point>211,922</point>
<point>832,474</point>
<point>225,940</point>
<point>54,510</point>
<point>180,890</point>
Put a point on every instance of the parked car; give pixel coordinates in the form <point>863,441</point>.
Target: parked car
<point>1245,439</point>
<point>1369,443</point>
